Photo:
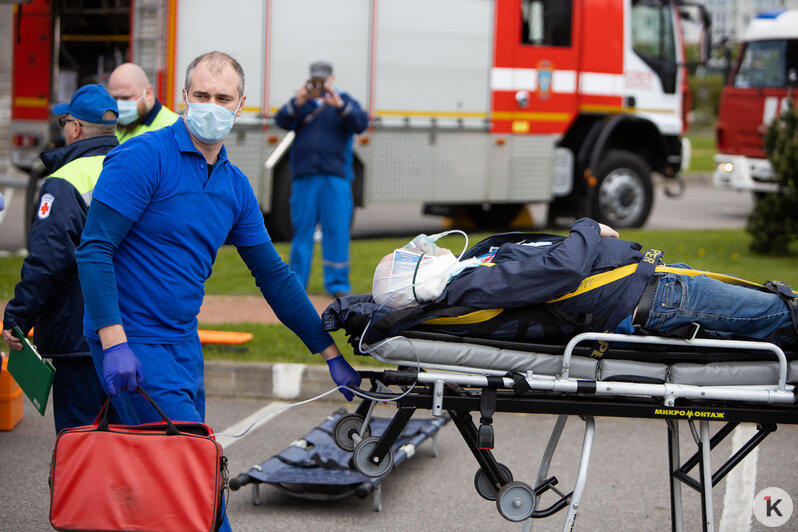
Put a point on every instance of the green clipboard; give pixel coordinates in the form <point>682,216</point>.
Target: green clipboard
<point>33,374</point>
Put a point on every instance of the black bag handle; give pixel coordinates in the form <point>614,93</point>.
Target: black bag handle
<point>171,429</point>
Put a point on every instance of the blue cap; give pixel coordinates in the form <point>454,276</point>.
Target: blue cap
<point>89,103</point>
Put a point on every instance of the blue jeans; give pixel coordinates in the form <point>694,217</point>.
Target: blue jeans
<point>718,307</point>
<point>325,200</point>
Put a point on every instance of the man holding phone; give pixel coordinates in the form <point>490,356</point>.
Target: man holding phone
<point>324,121</point>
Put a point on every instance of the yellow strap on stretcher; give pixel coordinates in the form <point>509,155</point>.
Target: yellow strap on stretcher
<point>478,316</point>
<point>591,283</point>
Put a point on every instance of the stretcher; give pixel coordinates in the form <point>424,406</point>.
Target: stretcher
<point>697,381</point>
<point>314,468</point>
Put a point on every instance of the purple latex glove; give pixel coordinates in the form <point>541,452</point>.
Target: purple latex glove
<point>344,375</point>
<point>121,369</point>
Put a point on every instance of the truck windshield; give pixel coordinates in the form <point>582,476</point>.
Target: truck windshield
<point>653,40</point>
<point>766,64</point>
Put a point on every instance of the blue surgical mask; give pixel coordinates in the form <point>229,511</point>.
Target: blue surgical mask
<point>128,110</point>
<point>209,122</point>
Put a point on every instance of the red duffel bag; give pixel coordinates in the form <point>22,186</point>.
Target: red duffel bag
<point>166,476</point>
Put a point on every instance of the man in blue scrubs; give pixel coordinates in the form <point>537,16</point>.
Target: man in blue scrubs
<point>164,204</point>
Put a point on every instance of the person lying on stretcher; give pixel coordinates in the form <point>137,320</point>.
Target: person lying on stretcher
<point>591,280</point>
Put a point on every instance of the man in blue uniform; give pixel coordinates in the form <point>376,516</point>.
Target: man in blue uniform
<point>48,295</point>
<point>324,121</point>
<point>164,204</point>
<point>139,109</point>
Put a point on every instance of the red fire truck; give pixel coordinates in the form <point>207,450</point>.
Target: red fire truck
<point>481,106</point>
<point>756,92</point>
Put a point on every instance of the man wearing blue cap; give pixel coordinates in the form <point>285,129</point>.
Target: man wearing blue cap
<point>48,296</point>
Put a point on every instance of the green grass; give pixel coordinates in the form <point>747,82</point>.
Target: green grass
<point>703,152</point>
<point>723,251</point>
<point>275,343</point>
<point>10,267</point>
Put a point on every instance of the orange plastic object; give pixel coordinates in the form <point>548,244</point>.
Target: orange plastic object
<point>223,337</point>
<point>11,403</point>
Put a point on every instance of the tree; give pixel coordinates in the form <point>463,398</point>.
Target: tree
<point>773,223</point>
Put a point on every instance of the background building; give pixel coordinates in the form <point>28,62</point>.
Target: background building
<point>731,17</point>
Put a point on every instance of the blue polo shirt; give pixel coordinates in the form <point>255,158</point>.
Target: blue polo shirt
<point>182,216</point>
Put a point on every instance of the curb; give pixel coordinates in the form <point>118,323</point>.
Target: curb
<point>270,381</point>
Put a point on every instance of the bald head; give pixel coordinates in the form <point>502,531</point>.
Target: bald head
<point>129,82</point>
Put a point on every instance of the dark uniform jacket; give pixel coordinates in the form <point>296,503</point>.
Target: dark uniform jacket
<point>524,279</point>
<point>48,295</point>
<point>323,143</point>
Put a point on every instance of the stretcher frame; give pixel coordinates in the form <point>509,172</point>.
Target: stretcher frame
<point>460,391</point>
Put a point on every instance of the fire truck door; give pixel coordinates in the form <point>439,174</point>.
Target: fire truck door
<point>534,76</point>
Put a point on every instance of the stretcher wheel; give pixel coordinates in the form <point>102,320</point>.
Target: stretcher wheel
<point>516,501</point>
<point>362,463</point>
<point>484,486</point>
<point>345,427</point>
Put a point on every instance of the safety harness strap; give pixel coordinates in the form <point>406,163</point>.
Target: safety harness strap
<point>631,296</point>
<point>601,279</point>
<point>487,406</point>
<point>789,296</point>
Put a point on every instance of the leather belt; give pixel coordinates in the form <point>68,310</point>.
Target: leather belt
<point>646,300</point>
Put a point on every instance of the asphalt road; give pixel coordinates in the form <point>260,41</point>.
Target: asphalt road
<point>702,206</point>
<point>627,486</point>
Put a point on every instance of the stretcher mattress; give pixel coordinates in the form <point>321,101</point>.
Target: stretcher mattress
<point>660,367</point>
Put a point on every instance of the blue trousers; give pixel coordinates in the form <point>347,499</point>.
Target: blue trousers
<point>325,200</point>
<point>173,375</point>
<point>720,307</point>
<point>78,394</point>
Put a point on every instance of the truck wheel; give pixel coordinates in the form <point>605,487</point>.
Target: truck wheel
<point>493,216</point>
<point>624,193</point>
<point>278,220</point>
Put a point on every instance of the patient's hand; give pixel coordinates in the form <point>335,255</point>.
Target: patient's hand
<point>606,230</point>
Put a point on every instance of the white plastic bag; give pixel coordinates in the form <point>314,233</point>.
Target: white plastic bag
<point>414,274</point>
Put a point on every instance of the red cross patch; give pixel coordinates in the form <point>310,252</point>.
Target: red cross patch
<point>46,206</point>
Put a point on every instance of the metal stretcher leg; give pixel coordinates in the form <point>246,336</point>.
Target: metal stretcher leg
<point>705,465</point>
<point>465,424</point>
<point>707,479</point>
<point>674,462</point>
<point>581,476</point>
<point>545,462</point>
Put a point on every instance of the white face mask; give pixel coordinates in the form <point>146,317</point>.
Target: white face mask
<point>129,110</point>
<point>209,122</point>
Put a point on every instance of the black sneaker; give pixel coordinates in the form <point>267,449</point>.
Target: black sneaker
<point>339,293</point>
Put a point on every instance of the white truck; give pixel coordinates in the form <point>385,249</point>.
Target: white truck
<point>479,106</point>
<point>756,92</point>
